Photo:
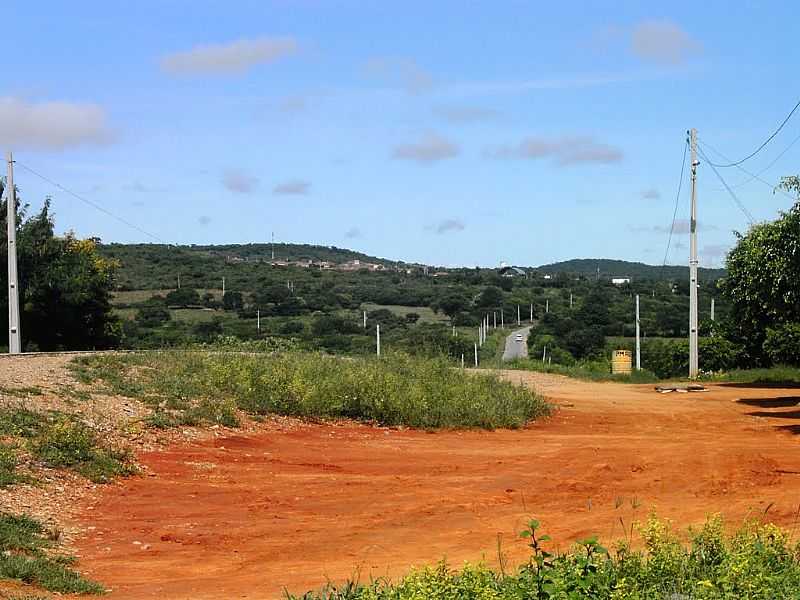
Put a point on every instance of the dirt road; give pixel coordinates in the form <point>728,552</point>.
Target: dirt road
<point>242,517</point>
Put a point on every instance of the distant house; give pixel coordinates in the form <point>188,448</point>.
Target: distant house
<point>547,277</point>
<point>512,272</point>
<point>620,280</point>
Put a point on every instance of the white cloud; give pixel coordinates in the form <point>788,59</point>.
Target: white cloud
<point>401,72</point>
<point>431,148</point>
<point>204,220</point>
<point>352,233</point>
<point>240,182</point>
<point>447,226</point>
<point>230,58</point>
<point>51,125</point>
<point>292,188</point>
<point>662,42</point>
<point>564,151</point>
<point>651,194</point>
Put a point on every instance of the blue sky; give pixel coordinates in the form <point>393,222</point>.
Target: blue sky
<point>443,132</point>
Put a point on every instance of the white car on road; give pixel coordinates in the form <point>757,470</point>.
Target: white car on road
<point>519,337</point>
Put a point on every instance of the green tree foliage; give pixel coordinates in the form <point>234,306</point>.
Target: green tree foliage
<point>763,281</point>
<point>183,297</point>
<point>233,301</point>
<point>782,344</point>
<point>64,286</point>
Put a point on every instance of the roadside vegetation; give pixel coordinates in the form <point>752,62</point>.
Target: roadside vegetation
<point>758,561</point>
<point>29,553</point>
<point>394,390</point>
<point>57,440</point>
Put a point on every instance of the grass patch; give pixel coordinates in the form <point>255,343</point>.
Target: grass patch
<point>782,376</point>
<point>589,371</point>
<point>26,554</point>
<point>21,392</point>
<point>8,466</point>
<point>394,390</point>
<point>61,441</point>
<point>758,561</point>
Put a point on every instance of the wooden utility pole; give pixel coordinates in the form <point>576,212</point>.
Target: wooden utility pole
<point>14,329</point>
<point>693,342</point>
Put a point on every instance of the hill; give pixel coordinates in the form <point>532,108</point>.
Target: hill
<point>623,268</point>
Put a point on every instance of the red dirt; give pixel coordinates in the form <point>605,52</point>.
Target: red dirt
<point>242,517</point>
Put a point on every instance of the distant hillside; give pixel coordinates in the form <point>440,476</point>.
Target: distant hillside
<point>156,266</point>
<point>623,268</point>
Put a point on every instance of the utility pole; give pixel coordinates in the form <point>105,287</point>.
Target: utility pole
<point>480,334</point>
<point>14,330</point>
<point>547,305</point>
<point>258,319</point>
<point>712,309</point>
<point>494,317</point>
<point>531,312</point>
<point>638,344</point>
<point>223,287</point>
<point>476,355</point>
<point>179,281</point>
<point>273,246</point>
<point>518,321</point>
<point>570,299</point>
<point>502,320</point>
<point>365,319</point>
<point>693,346</point>
<point>462,360</point>
<point>378,338</point>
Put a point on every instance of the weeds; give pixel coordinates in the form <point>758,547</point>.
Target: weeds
<point>587,370</point>
<point>20,392</point>
<point>755,562</point>
<point>8,466</point>
<point>59,441</point>
<point>394,390</point>
<point>26,554</point>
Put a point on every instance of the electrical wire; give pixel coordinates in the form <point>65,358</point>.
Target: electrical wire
<point>769,166</point>
<point>733,195</point>
<point>677,202</point>
<point>92,204</point>
<point>761,147</point>
<point>753,176</point>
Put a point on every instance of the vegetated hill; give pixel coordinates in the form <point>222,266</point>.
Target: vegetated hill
<point>155,266</point>
<point>623,268</point>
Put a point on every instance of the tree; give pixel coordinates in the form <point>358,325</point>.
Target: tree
<point>763,280</point>
<point>183,297</point>
<point>491,297</point>
<point>64,286</point>
<point>232,301</point>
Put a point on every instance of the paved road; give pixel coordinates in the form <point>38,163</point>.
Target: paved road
<point>515,349</point>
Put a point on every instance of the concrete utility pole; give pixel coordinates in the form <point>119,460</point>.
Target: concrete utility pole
<point>179,281</point>
<point>454,331</point>
<point>223,287</point>
<point>693,346</point>
<point>273,245</point>
<point>570,299</point>
<point>14,330</point>
<point>712,309</point>
<point>638,345</point>
<point>518,320</point>
<point>378,338</point>
<point>547,305</point>
<point>258,319</point>
<point>480,335</point>
<point>494,320</point>
<point>544,353</point>
<point>365,319</point>
<point>502,320</point>
<point>531,312</point>
<point>476,355</point>
<point>462,360</point>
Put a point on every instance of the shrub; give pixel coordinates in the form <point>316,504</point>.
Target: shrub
<point>782,344</point>
<point>396,389</point>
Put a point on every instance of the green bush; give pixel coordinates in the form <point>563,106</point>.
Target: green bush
<point>756,562</point>
<point>395,389</point>
<point>8,465</point>
<point>782,344</point>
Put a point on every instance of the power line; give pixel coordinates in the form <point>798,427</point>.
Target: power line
<point>761,147</point>
<point>769,166</point>
<point>736,200</point>
<point>92,204</point>
<point>677,201</point>
<point>746,172</point>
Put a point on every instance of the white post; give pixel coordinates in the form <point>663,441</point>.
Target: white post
<point>518,321</point>
<point>223,287</point>
<point>480,334</point>
<point>531,312</point>
<point>547,305</point>
<point>544,353</point>
<point>258,319</point>
<point>179,281</point>
<point>476,355</point>
<point>494,317</point>
<point>462,360</point>
<point>693,346</point>
<point>638,343</point>
<point>454,331</point>
<point>378,338</point>
<point>570,299</point>
<point>502,319</point>
<point>712,309</point>
<point>14,328</point>
<point>365,319</point>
